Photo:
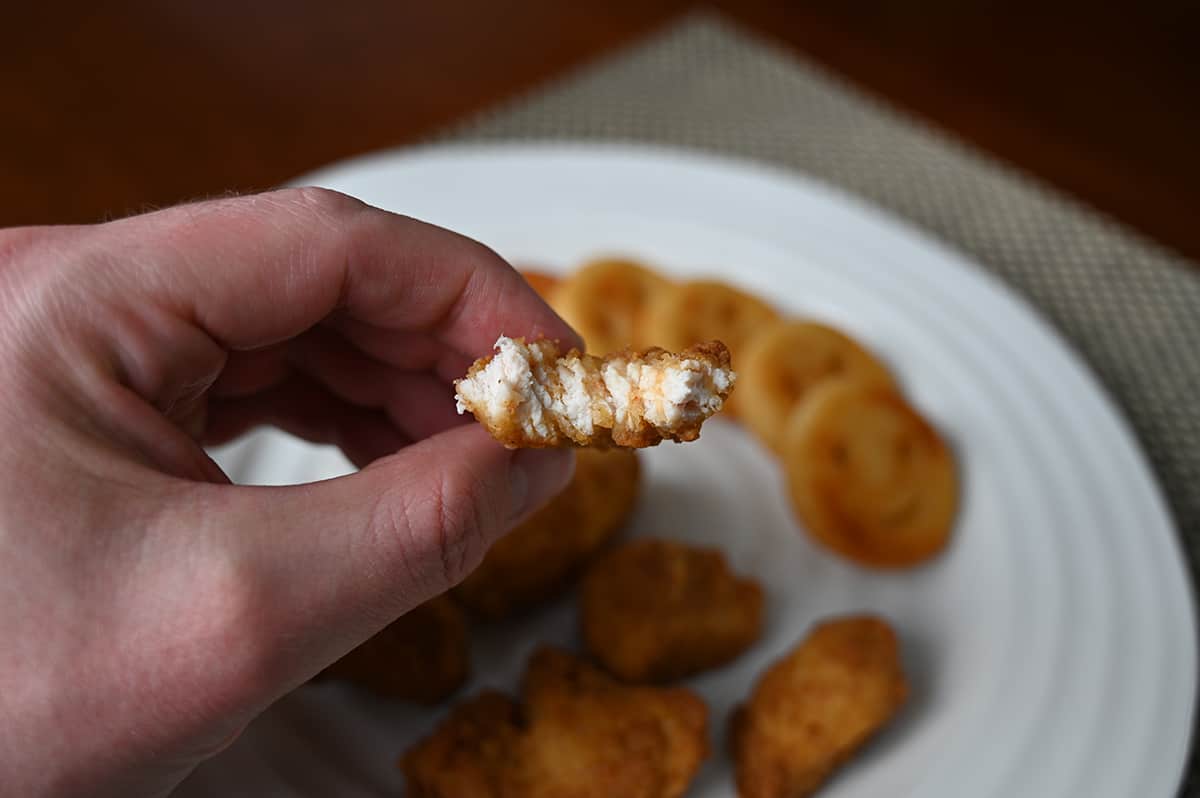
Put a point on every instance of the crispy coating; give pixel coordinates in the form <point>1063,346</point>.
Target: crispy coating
<point>659,610</point>
<point>579,735</point>
<point>785,360</point>
<point>422,656</point>
<point>538,559</point>
<point>591,736</point>
<point>605,300</point>
<point>533,395</point>
<point>469,754</point>
<point>868,476</point>
<point>815,707</point>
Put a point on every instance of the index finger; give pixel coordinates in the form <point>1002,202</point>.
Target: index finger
<point>255,270</point>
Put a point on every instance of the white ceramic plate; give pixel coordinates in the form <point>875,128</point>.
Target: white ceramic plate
<point>1052,649</point>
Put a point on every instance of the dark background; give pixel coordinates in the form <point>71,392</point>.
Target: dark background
<point>110,108</point>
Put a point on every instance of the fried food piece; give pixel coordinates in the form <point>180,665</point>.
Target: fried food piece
<point>815,707</point>
<point>536,560</point>
<point>543,283</point>
<point>868,476</point>
<point>532,395</point>
<point>421,657</point>
<point>784,361</point>
<point>706,310</point>
<point>591,736</point>
<point>605,300</point>
<point>468,755</point>
<point>659,610</point>
<point>580,735</point>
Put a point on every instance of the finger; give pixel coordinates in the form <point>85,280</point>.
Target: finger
<point>256,270</point>
<point>330,563</point>
<point>251,371</point>
<point>417,403</point>
<point>309,411</point>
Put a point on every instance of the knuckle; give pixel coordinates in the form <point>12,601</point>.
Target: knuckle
<point>236,617</point>
<point>442,529</point>
<point>324,203</point>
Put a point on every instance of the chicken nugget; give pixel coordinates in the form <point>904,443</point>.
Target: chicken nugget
<point>421,657</point>
<point>868,476</point>
<point>815,707</point>
<point>535,396</point>
<point>660,610</point>
<point>784,361</point>
<point>579,735</point>
<point>592,737</point>
<point>604,300</point>
<point>469,754</point>
<point>536,560</point>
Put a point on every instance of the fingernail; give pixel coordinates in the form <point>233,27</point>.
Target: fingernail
<point>537,475</point>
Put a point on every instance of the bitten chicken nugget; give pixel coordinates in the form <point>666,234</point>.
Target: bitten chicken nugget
<point>422,656</point>
<point>659,610</point>
<point>815,707</point>
<point>579,735</point>
<point>469,755</point>
<point>534,395</point>
<point>537,560</point>
<point>590,736</point>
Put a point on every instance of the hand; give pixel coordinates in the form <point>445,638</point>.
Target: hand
<point>148,608</point>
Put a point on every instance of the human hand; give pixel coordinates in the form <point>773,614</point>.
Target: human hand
<point>150,609</point>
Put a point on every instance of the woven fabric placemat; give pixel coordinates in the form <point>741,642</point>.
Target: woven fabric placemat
<point>1129,306</point>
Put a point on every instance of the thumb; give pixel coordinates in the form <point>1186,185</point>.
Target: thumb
<point>330,563</point>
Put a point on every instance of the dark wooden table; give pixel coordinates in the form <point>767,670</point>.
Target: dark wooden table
<point>108,108</point>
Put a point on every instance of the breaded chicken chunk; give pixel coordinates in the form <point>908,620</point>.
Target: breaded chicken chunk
<point>815,707</point>
<point>537,560</point>
<point>590,736</point>
<point>532,395</point>
<point>579,735</point>
<point>422,656</point>
<point>469,755</point>
<point>659,610</point>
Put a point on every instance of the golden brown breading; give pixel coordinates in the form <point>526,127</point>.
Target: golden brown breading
<point>422,656</point>
<point>590,736</point>
<point>537,559</point>
<point>659,610</point>
<point>604,301</point>
<point>468,755</point>
<point>868,476</point>
<point>815,707</point>
<point>533,395</point>
<point>580,735</point>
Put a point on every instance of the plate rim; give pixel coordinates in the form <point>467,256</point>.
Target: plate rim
<point>963,264</point>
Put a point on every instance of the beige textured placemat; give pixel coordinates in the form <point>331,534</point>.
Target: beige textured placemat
<point>1131,308</point>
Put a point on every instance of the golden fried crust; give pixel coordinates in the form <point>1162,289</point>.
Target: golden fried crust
<point>784,361</point>
<point>532,395</point>
<point>869,477</point>
<point>590,736</point>
<point>604,301</point>
<point>421,657</point>
<point>537,560</point>
<point>580,735</point>
<point>658,610</point>
<point>468,755</point>
<point>815,707</point>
